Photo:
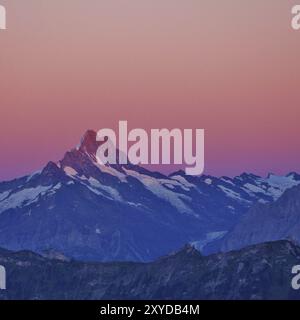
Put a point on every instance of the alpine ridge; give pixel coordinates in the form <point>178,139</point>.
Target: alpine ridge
<point>89,211</point>
<point>257,272</point>
<point>267,222</point>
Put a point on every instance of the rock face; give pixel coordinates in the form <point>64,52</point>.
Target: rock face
<point>257,272</point>
<point>268,222</point>
<point>88,211</point>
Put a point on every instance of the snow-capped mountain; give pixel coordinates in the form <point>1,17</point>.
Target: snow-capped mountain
<point>123,212</point>
<point>267,222</point>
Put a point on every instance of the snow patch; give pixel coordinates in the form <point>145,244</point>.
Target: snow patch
<point>231,208</point>
<point>209,237</point>
<point>226,180</point>
<point>158,189</point>
<point>4,194</point>
<point>23,197</point>
<point>70,171</point>
<point>208,181</point>
<point>113,193</point>
<point>168,185</point>
<point>280,183</point>
<point>53,190</point>
<point>183,181</point>
<point>251,188</point>
<point>230,193</point>
<point>113,172</point>
<point>174,183</point>
<point>33,175</point>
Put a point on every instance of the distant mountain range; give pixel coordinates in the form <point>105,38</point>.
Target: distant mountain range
<point>88,211</point>
<point>257,272</point>
<point>267,222</point>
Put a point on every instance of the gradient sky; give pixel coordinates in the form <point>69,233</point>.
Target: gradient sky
<point>231,67</point>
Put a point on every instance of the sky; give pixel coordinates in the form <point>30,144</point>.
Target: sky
<point>231,67</point>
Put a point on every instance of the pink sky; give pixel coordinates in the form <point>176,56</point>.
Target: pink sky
<point>231,67</point>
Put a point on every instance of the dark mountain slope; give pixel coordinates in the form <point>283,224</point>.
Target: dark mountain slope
<point>267,222</point>
<point>257,272</point>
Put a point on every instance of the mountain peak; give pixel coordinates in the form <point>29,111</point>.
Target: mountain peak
<point>88,143</point>
<point>188,251</point>
<point>177,173</point>
<point>270,175</point>
<point>51,174</point>
<point>247,175</point>
<point>89,134</point>
<point>293,175</point>
<point>50,169</point>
